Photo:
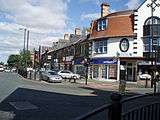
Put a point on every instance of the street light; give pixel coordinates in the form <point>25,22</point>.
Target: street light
<point>86,63</point>
<point>153,6</point>
<point>26,32</point>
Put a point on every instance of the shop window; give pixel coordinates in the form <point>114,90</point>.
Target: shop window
<point>95,71</point>
<point>112,71</point>
<point>104,71</point>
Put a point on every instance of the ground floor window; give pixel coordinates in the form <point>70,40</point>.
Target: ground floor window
<point>112,72</point>
<point>104,71</point>
<point>129,72</point>
<point>95,71</point>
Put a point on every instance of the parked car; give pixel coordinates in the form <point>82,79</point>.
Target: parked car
<point>13,70</point>
<point>68,74</point>
<point>144,76</point>
<point>51,76</point>
<point>7,70</point>
<point>1,69</point>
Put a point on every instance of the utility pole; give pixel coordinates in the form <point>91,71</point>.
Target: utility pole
<point>24,47</point>
<point>27,39</point>
<point>39,56</point>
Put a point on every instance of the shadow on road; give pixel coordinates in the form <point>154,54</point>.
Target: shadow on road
<point>30,104</point>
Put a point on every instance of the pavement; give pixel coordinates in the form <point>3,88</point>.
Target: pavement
<point>131,87</point>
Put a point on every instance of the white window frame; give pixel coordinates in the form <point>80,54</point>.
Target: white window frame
<point>100,47</point>
<point>102,24</point>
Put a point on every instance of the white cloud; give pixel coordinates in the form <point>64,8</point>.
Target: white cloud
<point>132,4</point>
<point>90,16</point>
<point>42,15</point>
<point>46,20</point>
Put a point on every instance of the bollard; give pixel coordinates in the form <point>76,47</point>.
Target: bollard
<point>116,107</point>
<point>122,86</point>
<point>146,85</point>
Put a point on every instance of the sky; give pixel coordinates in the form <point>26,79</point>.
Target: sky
<point>48,20</point>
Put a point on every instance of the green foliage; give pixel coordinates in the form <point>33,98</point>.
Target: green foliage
<point>1,63</point>
<point>20,61</point>
<point>25,59</point>
<point>14,60</point>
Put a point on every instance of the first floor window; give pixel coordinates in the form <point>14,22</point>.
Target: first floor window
<point>100,46</point>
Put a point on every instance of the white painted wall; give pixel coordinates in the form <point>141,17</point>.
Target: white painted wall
<point>143,13</point>
<point>113,48</point>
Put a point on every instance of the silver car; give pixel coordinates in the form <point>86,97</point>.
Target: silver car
<point>51,76</point>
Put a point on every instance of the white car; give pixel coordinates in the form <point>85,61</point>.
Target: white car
<point>1,69</point>
<point>51,76</point>
<point>7,70</point>
<point>145,76</point>
<point>68,74</point>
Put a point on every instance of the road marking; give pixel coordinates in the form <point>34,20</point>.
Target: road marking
<point>23,105</point>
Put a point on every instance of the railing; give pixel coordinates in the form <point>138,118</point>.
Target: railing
<point>148,112</point>
<point>141,107</point>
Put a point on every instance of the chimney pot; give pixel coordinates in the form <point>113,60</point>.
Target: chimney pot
<point>77,31</point>
<point>66,36</point>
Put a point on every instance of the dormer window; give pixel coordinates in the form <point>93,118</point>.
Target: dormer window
<point>101,24</point>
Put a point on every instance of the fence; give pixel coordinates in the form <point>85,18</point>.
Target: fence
<point>141,107</point>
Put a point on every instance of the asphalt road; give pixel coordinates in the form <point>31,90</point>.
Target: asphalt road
<point>22,99</point>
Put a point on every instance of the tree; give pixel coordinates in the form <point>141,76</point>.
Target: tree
<point>25,60</point>
<point>1,63</point>
<point>20,61</point>
<point>13,60</point>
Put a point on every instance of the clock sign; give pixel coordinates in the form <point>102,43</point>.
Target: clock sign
<point>124,45</point>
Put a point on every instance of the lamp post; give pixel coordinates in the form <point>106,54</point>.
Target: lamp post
<point>26,34</point>
<point>24,44</point>
<point>153,6</point>
<point>86,63</point>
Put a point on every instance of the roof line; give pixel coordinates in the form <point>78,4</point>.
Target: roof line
<point>141,4</point>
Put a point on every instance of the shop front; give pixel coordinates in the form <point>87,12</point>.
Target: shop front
<point>103,68</point>
<point>79,68</point>
<point>128,70</point>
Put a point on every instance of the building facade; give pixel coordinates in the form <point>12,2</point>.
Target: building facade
<point>143,29</point>
<point>114,54</point>
<point>117,45</point>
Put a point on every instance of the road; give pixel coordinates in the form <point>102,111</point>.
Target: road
<point>22,99</point>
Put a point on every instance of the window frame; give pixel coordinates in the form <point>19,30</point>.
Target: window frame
<point>100,46</point>
<point>102,24</point>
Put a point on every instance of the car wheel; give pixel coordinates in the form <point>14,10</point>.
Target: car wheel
<point>74,77</point>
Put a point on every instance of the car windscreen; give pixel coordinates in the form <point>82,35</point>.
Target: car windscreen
<point>52,73</point>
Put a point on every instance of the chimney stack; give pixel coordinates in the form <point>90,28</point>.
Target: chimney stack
<point>77,31</point>
<point>66,37</point>
<point>104,9</point>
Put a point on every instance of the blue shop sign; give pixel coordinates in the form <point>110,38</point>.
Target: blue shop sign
<point>103,61</point>
<point>78,61</point>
